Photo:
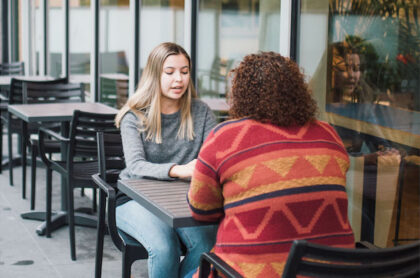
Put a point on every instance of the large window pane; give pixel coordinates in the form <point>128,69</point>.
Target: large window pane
<point>80,43</point>
<point>1,33</point>
<point>161,21</point>
<point>113,59</point>
<point>56,37</point>
<point>38,31</point>
<point>229,30</point>
<point>361,59</point>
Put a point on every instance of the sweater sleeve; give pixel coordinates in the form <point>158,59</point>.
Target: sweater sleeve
<point>136,164</point>
<point>205,196</point>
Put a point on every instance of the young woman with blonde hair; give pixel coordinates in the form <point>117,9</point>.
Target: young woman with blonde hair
<point>163,126</point>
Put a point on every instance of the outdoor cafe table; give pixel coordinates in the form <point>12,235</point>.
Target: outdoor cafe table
<point>55,112</point>
<point>5,81</point>
<point>166,199</point>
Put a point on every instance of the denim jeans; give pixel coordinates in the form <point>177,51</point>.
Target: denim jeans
<point>190,274</point>
<point>163,242</point>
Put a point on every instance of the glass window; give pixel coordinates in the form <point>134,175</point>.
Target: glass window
<point>361,59</point>
<point>114,24</point>
<point>38,34</point>
<point>167,19</point>
<point>80,38</point>
<point>1,33</point>
<point>56,37</point>
<point>229,30</point>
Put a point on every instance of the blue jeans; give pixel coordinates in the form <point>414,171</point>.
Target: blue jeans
<point>190,274</point>
<point>163,242</point>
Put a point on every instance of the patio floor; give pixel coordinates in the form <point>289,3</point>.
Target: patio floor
<point>25,254</point>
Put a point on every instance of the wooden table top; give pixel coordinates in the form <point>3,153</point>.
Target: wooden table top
<point>51,112</point>
<point>166,199</point>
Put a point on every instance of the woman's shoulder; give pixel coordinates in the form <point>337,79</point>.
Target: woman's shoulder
<point>324,124</point>
<point>233,123</point>
<point>129,118</point>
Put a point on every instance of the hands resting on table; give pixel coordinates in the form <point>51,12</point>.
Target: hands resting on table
<point>183,171</point>
<point>389,155</point>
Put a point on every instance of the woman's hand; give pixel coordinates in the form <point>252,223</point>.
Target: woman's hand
<point>183,171</point>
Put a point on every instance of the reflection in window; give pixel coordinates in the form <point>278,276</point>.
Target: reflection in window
<point>113,58</point>
<point>38,37</point>
<point>229,30</point>
<point>80,38</point>
<point>362,64</point>
<point>56,35</point>
<point>386,37</point>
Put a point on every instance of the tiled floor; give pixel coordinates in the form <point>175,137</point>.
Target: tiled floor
<point>25,254</point>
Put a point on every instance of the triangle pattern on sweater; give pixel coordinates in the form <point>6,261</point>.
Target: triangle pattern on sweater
<point>281,165</point>
<point>300,211</point>
<point>278,267</point>
<point>343,164</point>
<point>252,270</point>
<point>243,177</point>
<point>318,161</point>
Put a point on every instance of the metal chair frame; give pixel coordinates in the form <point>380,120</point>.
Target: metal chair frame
<point>111,162</point>
<point>80,164</point>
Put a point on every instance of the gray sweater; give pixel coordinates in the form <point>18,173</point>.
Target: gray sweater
<point>147,159</point>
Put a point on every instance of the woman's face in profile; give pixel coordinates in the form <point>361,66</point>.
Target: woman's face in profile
<point>346,72</point>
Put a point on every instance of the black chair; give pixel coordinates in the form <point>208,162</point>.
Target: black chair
<point>13,124</point>
<point>108,93</point>
<point>122,92</point>
<point>14,68</point>
<point>80,163</point>
<point>111,162</point>
<point>46,92</point>
<point>314,260</point>
<point>209,259</point>
<point>217,78</point>
<point>114,92</point>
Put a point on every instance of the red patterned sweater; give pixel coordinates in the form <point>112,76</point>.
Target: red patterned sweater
<point>270,185</point>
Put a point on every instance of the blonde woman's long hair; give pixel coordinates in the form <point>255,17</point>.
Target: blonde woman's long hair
<point>145,102</point>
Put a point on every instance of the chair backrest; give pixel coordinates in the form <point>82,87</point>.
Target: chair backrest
<point>122,93</point>
<point>314,260</point>
<point>220,68</point>
<point>15,68</point>
<point>111,162</point>
<point>84,126</point>
<point>38,92</point>
<point>108,93</point>
<point>110,153</point>
<point>16,88</point>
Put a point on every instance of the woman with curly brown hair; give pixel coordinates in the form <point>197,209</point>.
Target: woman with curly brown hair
<point>272,174</point>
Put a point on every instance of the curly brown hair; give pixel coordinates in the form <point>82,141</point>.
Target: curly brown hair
<point>268,87</point>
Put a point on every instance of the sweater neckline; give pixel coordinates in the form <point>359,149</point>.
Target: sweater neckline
<point>170,116</point>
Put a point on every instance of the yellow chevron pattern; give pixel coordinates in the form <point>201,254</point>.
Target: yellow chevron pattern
<point>281,165</point>
<point>318,161</point>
